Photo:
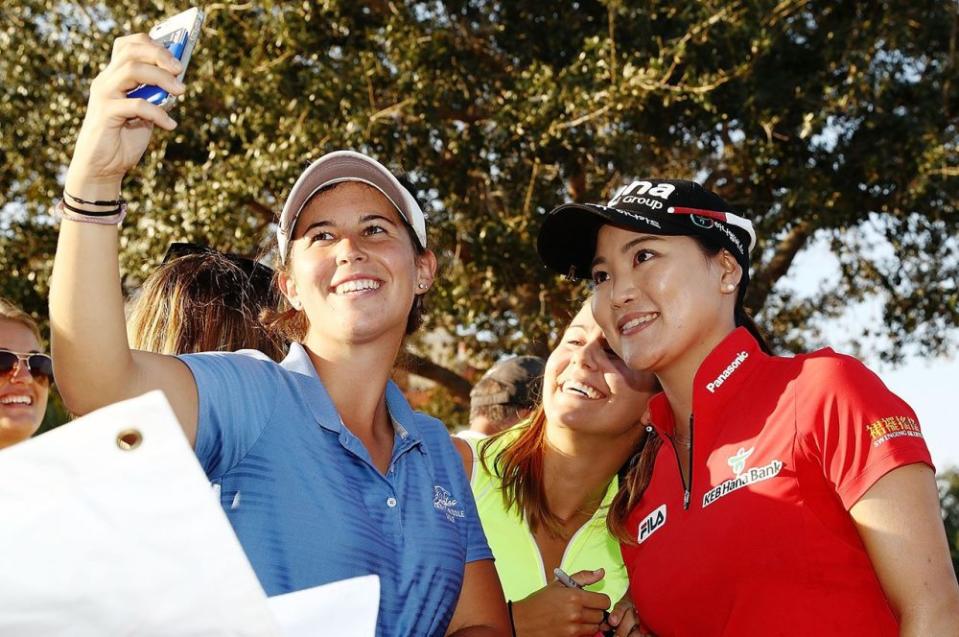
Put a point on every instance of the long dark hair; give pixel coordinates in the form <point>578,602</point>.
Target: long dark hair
<point>520,469</point>
<point>740,315</point>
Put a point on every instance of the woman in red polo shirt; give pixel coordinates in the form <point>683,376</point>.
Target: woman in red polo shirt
<point>785,496</point>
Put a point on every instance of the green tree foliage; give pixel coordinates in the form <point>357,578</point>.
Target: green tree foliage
<point>820,120</point>
<point>949,502</point>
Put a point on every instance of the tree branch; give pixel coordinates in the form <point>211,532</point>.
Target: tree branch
<point>764,279</point>
<point>264,212</point>
<point>458,386</point>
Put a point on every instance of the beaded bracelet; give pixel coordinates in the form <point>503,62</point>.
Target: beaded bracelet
<point>64,210</point>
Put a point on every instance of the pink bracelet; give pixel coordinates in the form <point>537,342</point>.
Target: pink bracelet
<point>61,212</point>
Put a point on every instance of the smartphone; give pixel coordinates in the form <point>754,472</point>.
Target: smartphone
<point>179,35</point>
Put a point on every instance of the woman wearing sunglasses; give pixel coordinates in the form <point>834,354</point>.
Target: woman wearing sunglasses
<point>324,470</point>
<point>25,375</point>
<point>776,495</point>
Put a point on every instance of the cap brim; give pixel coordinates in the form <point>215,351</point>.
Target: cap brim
<point>345,165</point>
<point>567,239</point>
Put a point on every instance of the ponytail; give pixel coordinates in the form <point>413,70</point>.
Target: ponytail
<point>740,316</point>
<point>742,319</point>
<point>638,474</point>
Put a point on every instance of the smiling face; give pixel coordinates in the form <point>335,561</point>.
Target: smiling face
<point>662,300</point>
<point>353,269</point>
<point>587,387</point>
<point>23,400</point>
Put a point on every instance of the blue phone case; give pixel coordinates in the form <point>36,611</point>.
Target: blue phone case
<point>175,43</point>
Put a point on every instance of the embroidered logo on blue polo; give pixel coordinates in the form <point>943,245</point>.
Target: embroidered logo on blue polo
<point>443,501</point>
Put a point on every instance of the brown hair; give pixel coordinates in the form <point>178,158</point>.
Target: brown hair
<point>292,324</point>
<point>204,302</point>
<point>11,312</point>
<point>639,471</point>
<point>520,469</point>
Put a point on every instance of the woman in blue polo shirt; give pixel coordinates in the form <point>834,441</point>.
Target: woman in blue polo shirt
<point>323,469</point>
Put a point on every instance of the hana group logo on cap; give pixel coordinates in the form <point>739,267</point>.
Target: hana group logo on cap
<point>634,194</point>
<point>687,200</point>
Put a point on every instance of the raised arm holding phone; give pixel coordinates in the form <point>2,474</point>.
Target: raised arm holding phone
<point>324,470</point>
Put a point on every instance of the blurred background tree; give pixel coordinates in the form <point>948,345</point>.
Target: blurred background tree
<point>822,121</point>
<point>949,501</point>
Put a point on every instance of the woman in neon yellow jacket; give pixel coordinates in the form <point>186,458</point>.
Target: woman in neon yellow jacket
<point>543,487</point>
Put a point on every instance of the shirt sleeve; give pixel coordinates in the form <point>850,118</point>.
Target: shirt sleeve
<point>235,405</point>
<point>477,548</point>
<point>859,430</point>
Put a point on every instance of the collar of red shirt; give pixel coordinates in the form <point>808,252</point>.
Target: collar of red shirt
<point>724,373</point>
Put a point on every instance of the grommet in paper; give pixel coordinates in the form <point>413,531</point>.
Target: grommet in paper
<point>129,439</point>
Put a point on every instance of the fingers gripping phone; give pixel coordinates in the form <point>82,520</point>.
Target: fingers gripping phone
<point>179,35</point>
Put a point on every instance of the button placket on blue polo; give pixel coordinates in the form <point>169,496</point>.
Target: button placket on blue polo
<point>399,468</point>
<point>381,499</point>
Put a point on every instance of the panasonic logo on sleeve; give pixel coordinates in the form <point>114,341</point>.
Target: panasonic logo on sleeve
<point>726,373</point>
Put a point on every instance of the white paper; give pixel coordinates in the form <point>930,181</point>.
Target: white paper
<point>346,608</point>
<point>99,541</point>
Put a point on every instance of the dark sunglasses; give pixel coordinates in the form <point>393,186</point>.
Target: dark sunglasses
<point>40,365</point>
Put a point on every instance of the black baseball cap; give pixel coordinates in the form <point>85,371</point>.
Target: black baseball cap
<point>567,239</point>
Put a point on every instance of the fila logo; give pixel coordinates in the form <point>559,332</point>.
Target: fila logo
<point>633,193</point>
<point>652,523</point>
<point>726,373</point>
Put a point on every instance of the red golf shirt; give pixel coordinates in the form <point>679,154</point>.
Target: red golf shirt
<point>762,542</point>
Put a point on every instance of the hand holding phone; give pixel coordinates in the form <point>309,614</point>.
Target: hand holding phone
<point>116,129</point>
<point>179,36</point>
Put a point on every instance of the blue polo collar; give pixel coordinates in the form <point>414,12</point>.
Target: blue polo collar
<point>324,411</point>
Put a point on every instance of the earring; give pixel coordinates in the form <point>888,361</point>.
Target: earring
<point>729,287</point>
<point>649,429</point>
<point>422,286</point>
<point>295,305</point>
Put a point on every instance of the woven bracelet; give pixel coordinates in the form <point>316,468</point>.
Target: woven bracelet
<point>113,217</point>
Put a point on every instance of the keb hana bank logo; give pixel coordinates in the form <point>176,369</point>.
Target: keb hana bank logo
<point>742,477</point>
